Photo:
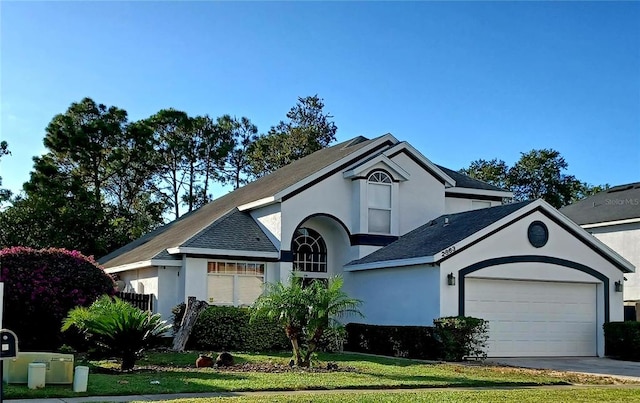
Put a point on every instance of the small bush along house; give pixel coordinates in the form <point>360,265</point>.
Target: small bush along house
<point>413,240</point>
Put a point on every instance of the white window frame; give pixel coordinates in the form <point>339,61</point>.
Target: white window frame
<point>380,178</point>
<point>236,276</point>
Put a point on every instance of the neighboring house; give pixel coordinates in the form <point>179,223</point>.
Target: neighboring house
<point>613,216</point>
<point>415,241</point>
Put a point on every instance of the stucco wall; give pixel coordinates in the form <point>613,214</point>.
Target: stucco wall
<point>404,296</point>
<point>269,219</point>
<point>170,290</point>
<point>417,200</point>
<point>421,198</point>
<point>512,241</point>
<point>624,239</point>
<point>195,278</point>
<point>457,205</point>
<point>332,196</point>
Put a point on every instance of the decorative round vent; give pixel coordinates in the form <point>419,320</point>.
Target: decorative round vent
<point>538,234</point>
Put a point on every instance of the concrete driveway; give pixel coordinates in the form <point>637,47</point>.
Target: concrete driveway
<point>587,365</point>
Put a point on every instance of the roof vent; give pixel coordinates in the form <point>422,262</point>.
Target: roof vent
<point>446,221</point>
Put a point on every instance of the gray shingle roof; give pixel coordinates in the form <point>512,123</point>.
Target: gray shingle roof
<point>236,230</point>
<point>614,204</point>
<point>435,236</point>
<point>176,232</point>
<point>200,225</point>
<point>465,181</point>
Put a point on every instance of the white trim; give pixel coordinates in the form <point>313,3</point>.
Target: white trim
<point>223,252</point>
<point>406,146</point>
<point>258,203</point>
<point>578,232</point>
<point>143,264</point>
<point>397,172</point>
<point>318,174</point>
<point>390,263</point>
<point>479,192</point>
<point>611,223</point>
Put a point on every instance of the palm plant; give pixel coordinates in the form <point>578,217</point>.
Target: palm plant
<point>118,327</point>
<point>305,312</point>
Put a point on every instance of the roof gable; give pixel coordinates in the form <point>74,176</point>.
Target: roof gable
<point>363,167</point>
<point>235,230</point>
<point>421,160</point>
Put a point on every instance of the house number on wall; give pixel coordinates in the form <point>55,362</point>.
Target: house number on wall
<point>448,251</point>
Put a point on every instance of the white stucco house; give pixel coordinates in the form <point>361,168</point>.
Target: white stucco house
<point>415,241</point>
<point>613,216</point>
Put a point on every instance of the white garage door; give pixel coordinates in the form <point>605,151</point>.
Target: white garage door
<point>535,318</point>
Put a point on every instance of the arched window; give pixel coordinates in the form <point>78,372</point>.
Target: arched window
<point>379,201</point>
<point>309,251</point>
<point>379,177</point>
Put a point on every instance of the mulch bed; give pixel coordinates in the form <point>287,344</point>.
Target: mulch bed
<point>244,367</point>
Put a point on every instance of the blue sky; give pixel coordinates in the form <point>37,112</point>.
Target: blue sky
<point>459,81</point>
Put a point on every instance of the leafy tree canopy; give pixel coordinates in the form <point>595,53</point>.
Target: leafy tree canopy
<point>106,181</point>
<point>308,129</point>
<point>537,174</point>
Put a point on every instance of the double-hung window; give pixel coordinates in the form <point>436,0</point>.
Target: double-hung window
<point>379,186</point>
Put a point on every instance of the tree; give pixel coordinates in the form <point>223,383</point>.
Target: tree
<point>93,190</point>
<point>212,142</point>
<point>5,194</point>
<point>135,206</point>
<point>494,172</point>
<point>586,190</point>
<point>244,135</point>
<point>307,130</point>
<point>538,174</point>
<point>81,140</point>
<point>57,210</point>
<point>118,328</point>
<point>305,312</point>
<point>172,137</point>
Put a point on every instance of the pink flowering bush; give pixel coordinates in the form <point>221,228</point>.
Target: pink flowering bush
<point>41,286</point>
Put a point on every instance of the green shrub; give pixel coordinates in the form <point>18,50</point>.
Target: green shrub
<point>333,340</point>
<point>450,339</point>
<point>622,340</point>
<point>118,328</point>
<point>396,341</point>
<point>461,336</point>
<point>41,286</point>
<point>221,328</point>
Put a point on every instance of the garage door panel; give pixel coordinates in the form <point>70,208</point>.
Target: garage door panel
<point>533,318</point>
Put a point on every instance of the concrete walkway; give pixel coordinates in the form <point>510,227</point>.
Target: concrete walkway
<point>585,365</point>
<point>150,398</point>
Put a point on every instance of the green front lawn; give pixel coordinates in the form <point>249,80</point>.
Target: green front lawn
<point>437,396</point>
<point>162,372</point>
